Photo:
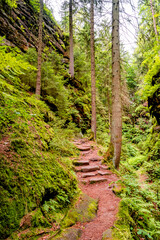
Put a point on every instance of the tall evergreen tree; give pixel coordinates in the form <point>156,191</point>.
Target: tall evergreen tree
<point>93,80</point>
<point>116,134</point>
<point>38,83</point>
<point>71,63</point>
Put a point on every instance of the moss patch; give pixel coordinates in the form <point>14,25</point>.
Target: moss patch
<point>34,161</point>
<point>83,211</point>
<point>69,234</point>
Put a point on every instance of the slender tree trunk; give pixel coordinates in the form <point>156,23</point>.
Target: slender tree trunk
<point>38,83</point>
<point>93,80</point>
<point>116,86</point>
<point>71,63</point>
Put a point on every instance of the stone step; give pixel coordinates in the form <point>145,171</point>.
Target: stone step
<point>95,159</point>
<point>81,163</point>
<point>104,167</point>
<point>89,168</point>
<point>103,173</point>
<point>84,148</point>
<point>86,152</point>
<point>97,180</point>
<point>90,174</point>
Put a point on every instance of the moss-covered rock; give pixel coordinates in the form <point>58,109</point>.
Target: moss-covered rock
<point>69,234</point>
<point>84,211</point>
<point>34,163</point>
<point>118,188</point>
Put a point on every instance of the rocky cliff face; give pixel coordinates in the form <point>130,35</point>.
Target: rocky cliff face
<point>20,27</point>
<point>154,101</point>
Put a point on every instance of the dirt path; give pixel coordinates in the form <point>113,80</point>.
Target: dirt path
<point>100,178</point>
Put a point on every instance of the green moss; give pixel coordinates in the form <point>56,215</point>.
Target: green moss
<point>121,230</point>
<point>69,234</point>
<point>39,220</point>
<point>83,211</point>
<point>118,188</point>
<point>34,167</point>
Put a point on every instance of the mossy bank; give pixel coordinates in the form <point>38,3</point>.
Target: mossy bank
<point>35,164</point>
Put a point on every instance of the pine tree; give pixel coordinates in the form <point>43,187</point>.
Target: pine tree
<point>116,134</point>
<point>93,80</point>
<point>71,63</point>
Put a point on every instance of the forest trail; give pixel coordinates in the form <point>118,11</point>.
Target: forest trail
<point>94,179</point>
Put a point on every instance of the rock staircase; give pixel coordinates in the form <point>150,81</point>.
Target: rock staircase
<point>90,168</point>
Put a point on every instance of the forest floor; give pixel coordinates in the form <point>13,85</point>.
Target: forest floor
<point>95,180</point>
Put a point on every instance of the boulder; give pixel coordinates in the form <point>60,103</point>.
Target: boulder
<point>69,234</point>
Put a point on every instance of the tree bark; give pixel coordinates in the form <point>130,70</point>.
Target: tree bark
<point>93,80</point>
<point>116,87</point>
<point>71,63</point>
<point>38,83</point>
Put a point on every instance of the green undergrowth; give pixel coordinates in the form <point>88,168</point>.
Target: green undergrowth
<point>35,170</point>
<point>139,210</point>
<point>67,97</point>
<point>138,215</point>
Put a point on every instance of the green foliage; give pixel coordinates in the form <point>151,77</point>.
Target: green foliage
<point>66,97</point>
<point>137,161</point>
<point>147,88</point>
<point>11,3</point>
<point>82,66</point>
<point>12,64</point>
<point>137,215</point>
<point>36,6</point>
<point>38,220</point>
<point>35,168</point>
<point>131,77</point>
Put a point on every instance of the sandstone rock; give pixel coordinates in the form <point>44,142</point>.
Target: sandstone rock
<point>89,168</point>
<point>25,16</point>
<point>97,180</point>
<point>103,173</point>
<point>118,188</point>
<point>84,211</point>
<point>90,174</point>
<point>84,148</point>
<point>104,167</point>
<point>81,163</point>
<point>95,159</point>
<point>107,235</point>
<point>69,234</point>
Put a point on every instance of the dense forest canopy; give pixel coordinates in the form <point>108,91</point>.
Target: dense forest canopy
<point>78,79</point>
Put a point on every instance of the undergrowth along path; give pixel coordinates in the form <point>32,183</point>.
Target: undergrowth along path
<point>94,180</point>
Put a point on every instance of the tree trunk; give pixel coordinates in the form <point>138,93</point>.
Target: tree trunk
<point>93,80</point>
<point>116,87</point>
<point>38,83</point>
<point>71,63</point>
